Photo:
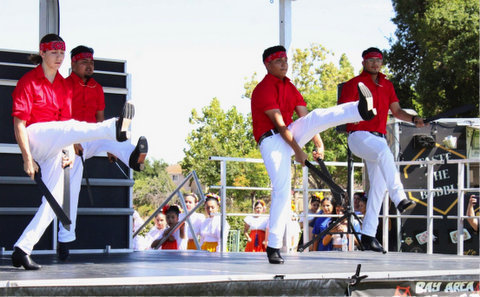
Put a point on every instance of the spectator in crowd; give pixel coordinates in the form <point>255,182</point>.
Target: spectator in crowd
<point>196,219</point>
<point>315,201</point>
<point>256,229</point>
<point>322,223</point>
<point>139,242</point>
<point>339,241</point>
<point>157,230</point>
<point>471,212</point>
<point>362,204</point>
<point>210,232</point>
<point>356,199</point>
<point>178,239</point>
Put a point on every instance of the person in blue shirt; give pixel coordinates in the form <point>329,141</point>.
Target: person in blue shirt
<point>322,223</point>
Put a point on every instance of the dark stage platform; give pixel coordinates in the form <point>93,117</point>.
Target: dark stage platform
<point>207,274</point>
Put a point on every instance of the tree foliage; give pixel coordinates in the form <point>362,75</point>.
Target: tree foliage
<point>435,57</point>
<point>225,134</point>
<point>151,187</point>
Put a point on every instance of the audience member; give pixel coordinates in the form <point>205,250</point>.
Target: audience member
<point>210,232</point>
<point>322,223</point>
<point>139,243</point>
<point>471,212</point>
<point>157,230</point>
<point>196,219</point>
<point>315,201</point>
<point>339,241</point>
<point>256,229</point>
<point>177,240</point>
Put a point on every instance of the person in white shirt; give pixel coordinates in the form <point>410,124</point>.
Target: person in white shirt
<point>210,231</point>
<point>157,230</point>
<point>196,219</point>
<point>256,229</point>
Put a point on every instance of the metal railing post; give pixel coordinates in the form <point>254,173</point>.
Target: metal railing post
<point>223,196</point>
<point>460,206</point>
<point>386,218</point>
<point>306,229</point>
<point>430,194</point>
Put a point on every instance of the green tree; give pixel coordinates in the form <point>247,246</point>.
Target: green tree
<point>224,133</point>
<point>151,187</point>
<point>434,59</point>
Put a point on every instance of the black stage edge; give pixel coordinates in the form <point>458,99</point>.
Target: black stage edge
<point>192,273</point>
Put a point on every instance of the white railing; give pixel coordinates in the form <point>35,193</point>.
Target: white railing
<point>430,217</point>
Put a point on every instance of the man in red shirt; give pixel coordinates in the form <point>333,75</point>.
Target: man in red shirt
<point>367,140</point>
<point>274,100</point>
<point>88,104</point>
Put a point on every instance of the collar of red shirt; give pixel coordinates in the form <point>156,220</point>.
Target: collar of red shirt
<point>39,74</point>
<point>381,76</point>
<point>91,82</point>
<point>276,79</point>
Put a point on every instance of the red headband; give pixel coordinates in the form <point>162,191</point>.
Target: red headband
<point>52,46</point>
<point>275,56</point>
<point>372,55</point>
<point>81,56</point>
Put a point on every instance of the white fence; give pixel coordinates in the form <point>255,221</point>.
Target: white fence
<point>430,217</point>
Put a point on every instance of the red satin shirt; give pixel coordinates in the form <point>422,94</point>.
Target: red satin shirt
<point>273,93</point>
<point>383,95</point>
<point>87,99</point>
<point>36,100</point>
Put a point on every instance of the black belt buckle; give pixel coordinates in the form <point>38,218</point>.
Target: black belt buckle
<point>266,135</point>
<point>378,134</point>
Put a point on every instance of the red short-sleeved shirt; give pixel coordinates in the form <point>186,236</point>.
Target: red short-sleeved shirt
<point>37,100</point>
<point>86,99</point>
<point>383,95</point>
<point>273,93</point>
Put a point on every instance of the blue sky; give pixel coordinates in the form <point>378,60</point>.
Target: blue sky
<point>183,53</point>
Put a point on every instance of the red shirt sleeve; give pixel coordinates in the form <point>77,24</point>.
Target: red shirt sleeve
<point>265,98</point>
<point>22,101</point>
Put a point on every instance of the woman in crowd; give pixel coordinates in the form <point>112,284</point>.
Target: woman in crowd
<point>256,229</point>
<point>177,240</point>
<point>210,232</point>
<point>196,219</point>
<point>322,223</point>
<point>157,230</point>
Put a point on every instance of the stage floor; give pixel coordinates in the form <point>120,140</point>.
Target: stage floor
<point>146,273</point>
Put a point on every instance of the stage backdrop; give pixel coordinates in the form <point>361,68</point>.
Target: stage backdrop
<point>429,143</point>
<point>106,221</point>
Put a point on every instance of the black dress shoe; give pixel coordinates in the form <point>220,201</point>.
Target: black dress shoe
<point>63,250</point>
<point>274,256</point>
<point>137,157</point>
<point>20,258</point>
<point>406,204</point>
<point>123,122</point>
<point>371,243</point>
<point>365,103</point>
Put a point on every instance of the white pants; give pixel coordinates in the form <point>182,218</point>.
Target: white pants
<point>46,143</point>
<point>122,150</point>
<point>382,173</point>
<point>276,154</point>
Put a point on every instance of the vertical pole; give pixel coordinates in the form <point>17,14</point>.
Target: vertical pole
<point>285,23</point>
<point>430,194</point>
<point>223,196</point>
<point>49,18</point>
<point>460,206</point>
<point>385,220</point>
<point>306,229</point>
